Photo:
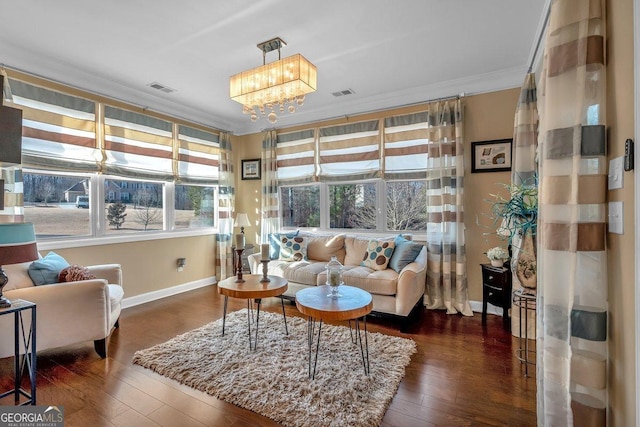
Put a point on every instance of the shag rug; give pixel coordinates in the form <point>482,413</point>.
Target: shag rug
<point>273,380</point>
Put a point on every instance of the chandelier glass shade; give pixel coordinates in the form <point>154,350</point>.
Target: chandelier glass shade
<point>276,87</point>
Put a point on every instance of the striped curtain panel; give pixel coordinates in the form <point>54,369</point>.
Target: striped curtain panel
<point>226,200</point>
<point>406,142</point>
<point>198,156</point>
<point>350,152</point>
<point>270,205</point>
<point>524,173</point>
<point>296,157</point>
<point>137,145</point>
<point>58,130</point>
<point>572,257</point>
<point>446,265</point>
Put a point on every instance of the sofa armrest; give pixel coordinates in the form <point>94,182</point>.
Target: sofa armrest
<point>112,273</point>
<point>254,263</point>
<point>411,283</point>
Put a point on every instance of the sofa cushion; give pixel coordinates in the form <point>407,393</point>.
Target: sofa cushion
<point>379,282</point>
<point>404,253</point>
<point>323,247</point>
<point>45,271</point>
<point>274,243</point>
<point>73,273</point>
<point>378,254</point>
<point>293,248</point>
<point>302,272</point>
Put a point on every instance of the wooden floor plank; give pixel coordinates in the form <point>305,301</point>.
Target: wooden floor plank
<point>463,374</point>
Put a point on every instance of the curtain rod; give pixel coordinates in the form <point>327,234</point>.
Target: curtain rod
<point>540,36</point>
<point>346,116</point>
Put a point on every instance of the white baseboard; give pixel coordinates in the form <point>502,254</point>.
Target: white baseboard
<point>167,292</point>
<point>476,306</point>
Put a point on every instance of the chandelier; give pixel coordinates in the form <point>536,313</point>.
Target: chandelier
<point>273,87</point>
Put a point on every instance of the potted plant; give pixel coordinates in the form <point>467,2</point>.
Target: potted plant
<point>497,256</point>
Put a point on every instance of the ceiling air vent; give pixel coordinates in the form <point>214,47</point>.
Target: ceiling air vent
<point>344,92</point>
<point>161,87</point>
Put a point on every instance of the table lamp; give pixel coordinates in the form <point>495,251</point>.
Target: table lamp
<point>17,244</point>
<point>242,221</point>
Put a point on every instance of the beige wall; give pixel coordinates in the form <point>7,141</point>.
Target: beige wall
<point>487,117</point>
<point>621,256</point>
<point>149,266</point>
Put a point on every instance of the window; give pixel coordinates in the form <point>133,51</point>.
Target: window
<point>406,205</point>
<point>50,204</point>
<point>300,206</point>
<point>194,206</point>
<point>133,206</point>
<point>353,206</point>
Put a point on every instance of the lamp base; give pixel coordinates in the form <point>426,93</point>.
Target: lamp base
<point>4,303</point>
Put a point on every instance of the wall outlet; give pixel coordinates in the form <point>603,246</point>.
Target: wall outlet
<point>615,173</point>
<point>181,262</point>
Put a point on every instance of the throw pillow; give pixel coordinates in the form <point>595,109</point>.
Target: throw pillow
<point>45,271</point>
<point>73,273</point>
<point>293,249</point>
<point>378,254</point>
<point>404,253</point>
<point>274,242</point>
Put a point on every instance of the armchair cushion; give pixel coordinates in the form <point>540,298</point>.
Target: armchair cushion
<point>45,271</point>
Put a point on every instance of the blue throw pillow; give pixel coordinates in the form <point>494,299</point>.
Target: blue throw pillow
<point>404,254</point>
<point>274,242</point>
<point>45,271</point>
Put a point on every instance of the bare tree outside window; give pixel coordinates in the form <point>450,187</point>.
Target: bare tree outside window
<point>353,206</point>
<point>300,206</point>
<point>146,212</point>
<point>406,206</point>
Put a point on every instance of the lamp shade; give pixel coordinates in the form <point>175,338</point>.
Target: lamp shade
<point>17,243</point>
<point>242,220</point>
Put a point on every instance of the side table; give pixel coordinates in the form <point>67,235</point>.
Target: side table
<point>525,302</point>
<point>496,290</point>
<point>28,340</point>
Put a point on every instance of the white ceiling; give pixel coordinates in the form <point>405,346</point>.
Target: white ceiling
<point>390,53</point>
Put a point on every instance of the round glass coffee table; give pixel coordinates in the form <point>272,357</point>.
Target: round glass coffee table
<point>253,289</point>
<point>353,305</point>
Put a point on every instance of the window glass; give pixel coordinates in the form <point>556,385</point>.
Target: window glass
<point>406,206</point>
<point>352,206</point>
<point>57,205</point>
<point>133,206</point>
<point>300,206</point>
<point>194,206</point>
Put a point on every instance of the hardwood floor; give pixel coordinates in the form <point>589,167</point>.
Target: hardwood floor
<point>464,374</point>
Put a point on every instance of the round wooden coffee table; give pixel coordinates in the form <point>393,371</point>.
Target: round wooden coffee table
<point>353,304</point>
<point>253,289</point>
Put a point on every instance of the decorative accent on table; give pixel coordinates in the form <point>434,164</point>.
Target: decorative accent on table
<point>334,277</point>
<point>239,250</point>
<point>497,256</point>
<point>264,259</point>
<point>516,220</point>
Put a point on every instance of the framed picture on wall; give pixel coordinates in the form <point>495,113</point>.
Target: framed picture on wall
<point>491,156</point>
<point>251,169</point>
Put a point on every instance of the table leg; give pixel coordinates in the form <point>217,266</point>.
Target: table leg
<point>16,357</point>
<point>286,330</point>
<point>315,364</point>
<point>34,356</point>
<point>249,316</point>
<point>365,363</point>
<point>255,341</point>
<point>224,314</point>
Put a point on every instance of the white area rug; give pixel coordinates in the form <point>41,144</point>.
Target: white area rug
<point>273,380</point>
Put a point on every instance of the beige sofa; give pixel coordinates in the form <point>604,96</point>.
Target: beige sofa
<point>397,294</point>
<point>66,313</point>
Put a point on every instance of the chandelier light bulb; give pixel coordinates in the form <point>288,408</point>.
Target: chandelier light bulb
<point>254,117</point>
<point>272,117</point>
<point>292,109</point>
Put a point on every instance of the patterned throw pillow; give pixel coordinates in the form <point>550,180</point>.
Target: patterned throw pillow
<point>378,254</point>
<point>293,248</point>
<point>75,273</point>
<point>274,242</point>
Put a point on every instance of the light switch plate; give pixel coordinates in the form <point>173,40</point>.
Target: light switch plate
<point>616,218</point>
<point>616,168</point>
